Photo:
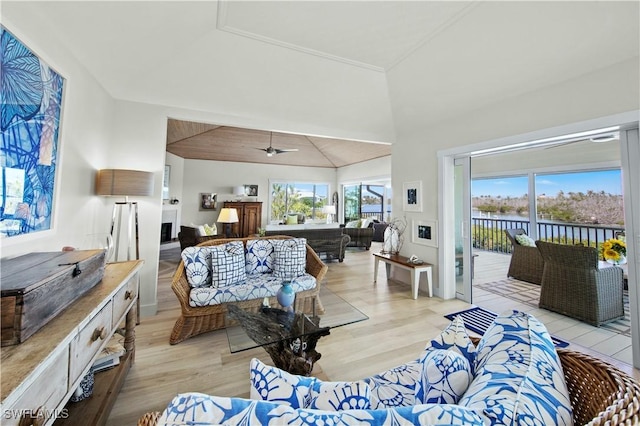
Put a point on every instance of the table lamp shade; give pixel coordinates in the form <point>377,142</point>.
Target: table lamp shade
<point>239,191</point>
<point>124,182</point>
<point>228,216</point>
<point>329,209</point>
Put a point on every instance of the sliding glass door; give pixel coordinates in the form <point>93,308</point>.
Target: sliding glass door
<point>462,210</point>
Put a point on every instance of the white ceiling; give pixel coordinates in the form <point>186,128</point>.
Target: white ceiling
<point>342,69</point>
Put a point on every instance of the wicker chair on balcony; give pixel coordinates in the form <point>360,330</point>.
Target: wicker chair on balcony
<point>573,285</point>
<point>526,262</point>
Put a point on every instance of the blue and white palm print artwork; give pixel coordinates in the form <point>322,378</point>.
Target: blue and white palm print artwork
<point>30,106</point>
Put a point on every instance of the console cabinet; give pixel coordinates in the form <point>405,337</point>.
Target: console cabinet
<point>40,375</point>
<point>249,217</point>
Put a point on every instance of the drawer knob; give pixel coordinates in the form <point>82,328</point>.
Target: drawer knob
<point>129,295</point>
<point>99,333</point>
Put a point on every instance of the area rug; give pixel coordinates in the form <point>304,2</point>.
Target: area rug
<point>478,320</point>
<point>529,294</point>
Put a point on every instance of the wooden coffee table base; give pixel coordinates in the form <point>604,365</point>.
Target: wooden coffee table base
<point>289,338</point>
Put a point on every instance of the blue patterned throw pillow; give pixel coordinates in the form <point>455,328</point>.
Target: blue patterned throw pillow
<point>199,409</point>
<point>197,266</point>
<point>445,377</point>
<point>227,264</point>
<point>290,257</point>
<point>260,257</point>
<point>454,338</point>
<point>518,375</point>
<point>273,384</point>
<point>336,396</point>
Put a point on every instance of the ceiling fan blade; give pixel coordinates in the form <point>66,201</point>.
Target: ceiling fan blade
<point>280,151</point>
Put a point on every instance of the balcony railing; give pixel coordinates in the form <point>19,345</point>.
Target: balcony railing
<point>488,234</point>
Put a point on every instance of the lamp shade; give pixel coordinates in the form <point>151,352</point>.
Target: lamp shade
<point>239,191</point>
<point>124,182</point>
<point>228,216</point>
<point>329,209</point>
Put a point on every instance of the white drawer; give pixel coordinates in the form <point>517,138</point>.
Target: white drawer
<point>44,394</point>
<point>89,341</point>
<point>123,299</point>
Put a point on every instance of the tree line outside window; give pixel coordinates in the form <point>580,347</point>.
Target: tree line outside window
<point>298,197</point>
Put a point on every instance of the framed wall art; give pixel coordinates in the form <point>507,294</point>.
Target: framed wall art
<point>251,190</point>
<point>31,106</point>
<point>208,201</point>
<point>412,196</point>
<point>425,232</point>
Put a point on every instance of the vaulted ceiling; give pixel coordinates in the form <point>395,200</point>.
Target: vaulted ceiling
<point>201,141</point>
<point>340,72</point>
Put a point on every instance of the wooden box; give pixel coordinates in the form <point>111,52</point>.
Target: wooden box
<point>36,287</point>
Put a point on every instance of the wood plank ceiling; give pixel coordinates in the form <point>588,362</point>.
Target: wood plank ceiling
<point>201,141</point>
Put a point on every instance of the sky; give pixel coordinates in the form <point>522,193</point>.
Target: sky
<point>609,181</point>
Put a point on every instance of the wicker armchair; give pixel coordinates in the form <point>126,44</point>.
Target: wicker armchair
<point>201,319</point>
<point>526,262</point>
<point>573,285</point>
<point>600,394</point>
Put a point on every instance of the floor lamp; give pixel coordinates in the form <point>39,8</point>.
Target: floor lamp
<point>227,217</point>
<point>124,183</point>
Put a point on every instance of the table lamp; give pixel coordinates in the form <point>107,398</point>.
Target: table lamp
<point>329,210</point>
<point>125,183</point>
<point>227,217</point>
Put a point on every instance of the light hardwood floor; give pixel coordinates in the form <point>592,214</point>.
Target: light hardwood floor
<point>396,332</point>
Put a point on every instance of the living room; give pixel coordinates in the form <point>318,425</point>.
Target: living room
<point>449,90</point>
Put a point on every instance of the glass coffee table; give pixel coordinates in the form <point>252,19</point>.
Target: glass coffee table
<point>290,338</point>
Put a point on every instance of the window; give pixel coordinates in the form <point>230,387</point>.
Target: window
<point>298,197</point>
<point>362,201</point>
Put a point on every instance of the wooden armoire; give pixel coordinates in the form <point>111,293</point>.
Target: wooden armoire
<point>249,217</point>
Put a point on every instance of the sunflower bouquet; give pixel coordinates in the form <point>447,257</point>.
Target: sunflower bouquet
<point>613,250</point>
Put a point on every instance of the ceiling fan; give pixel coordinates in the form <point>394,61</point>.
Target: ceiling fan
<point>271,151</point>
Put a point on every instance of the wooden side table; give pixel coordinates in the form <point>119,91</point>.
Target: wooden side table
<point>403,263</point>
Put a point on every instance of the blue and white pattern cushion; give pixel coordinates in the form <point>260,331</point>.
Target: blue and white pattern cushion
<point>336,396</point>
<point>256,286</point>
<point>446,375</point>
<point>518,378</point>
<point>227,264</point>
<point>260,257</point>
<point>455,338</point>
<point>273,384</point>
<point>197,266</point>
<point>200,409</point>
<point>290,257</point>
<point>395,387</point>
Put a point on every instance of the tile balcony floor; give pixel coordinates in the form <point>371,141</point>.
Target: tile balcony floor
<point>491,267</point>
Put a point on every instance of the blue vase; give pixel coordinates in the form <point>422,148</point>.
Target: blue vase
<point>286,295</point>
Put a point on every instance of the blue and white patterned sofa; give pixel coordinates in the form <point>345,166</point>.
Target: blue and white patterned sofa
<point>512,377</point>
<point>242,271</point>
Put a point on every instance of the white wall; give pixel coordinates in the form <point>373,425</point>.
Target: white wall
<point>414,155</point>
<point>222,176</point>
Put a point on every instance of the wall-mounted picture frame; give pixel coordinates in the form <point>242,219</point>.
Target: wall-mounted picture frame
<point>208,201</point>
<point>32,103</point>
<point>425,232</point>
<point>251,190</point>
<point>412,196</point>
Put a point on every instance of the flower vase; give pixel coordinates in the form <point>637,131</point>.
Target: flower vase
<point>286,295</point>
<point>621,261</point>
